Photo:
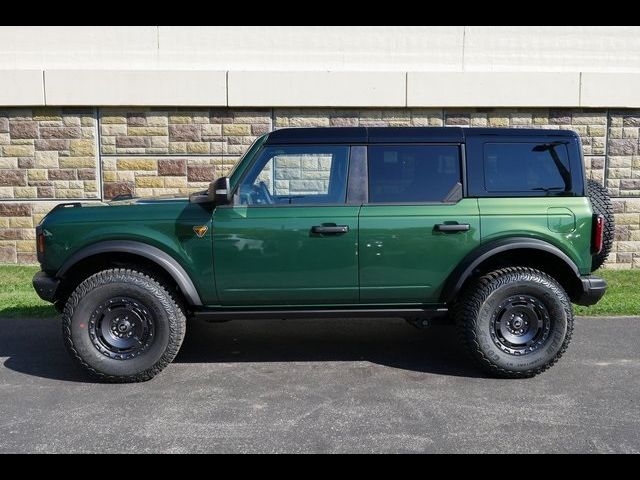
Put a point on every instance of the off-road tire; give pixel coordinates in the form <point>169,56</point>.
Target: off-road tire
<point>601,205</point>
<point>478,307</point>
<point>166,313</point>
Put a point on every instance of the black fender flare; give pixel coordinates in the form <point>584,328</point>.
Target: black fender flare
<point>465,269</point>
<point>157,256</point>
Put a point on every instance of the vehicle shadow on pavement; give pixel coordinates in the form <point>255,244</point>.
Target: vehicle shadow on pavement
<point>387,342</point>
<point>34,346</point>
<point>31,311</point>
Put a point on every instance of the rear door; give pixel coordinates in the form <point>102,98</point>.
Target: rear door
<point>416,227</point>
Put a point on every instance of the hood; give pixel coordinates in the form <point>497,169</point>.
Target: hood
<point>167,207</point>
<point>160,199</point>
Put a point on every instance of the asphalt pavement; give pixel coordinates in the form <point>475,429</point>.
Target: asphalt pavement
<point>322,386</point>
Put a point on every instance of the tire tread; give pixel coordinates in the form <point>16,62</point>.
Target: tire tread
<point>177,326</point>
<point>601,204</point>
<point>466,312</point>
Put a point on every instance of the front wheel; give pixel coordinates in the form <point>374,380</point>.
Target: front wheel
<point>122,326</point>
<point>515,322</point>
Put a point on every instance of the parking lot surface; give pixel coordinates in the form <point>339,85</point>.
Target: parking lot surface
<point>322,386</point>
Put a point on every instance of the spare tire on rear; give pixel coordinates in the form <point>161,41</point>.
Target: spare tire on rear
<point>601,205</point>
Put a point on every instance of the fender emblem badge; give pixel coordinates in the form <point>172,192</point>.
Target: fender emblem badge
<point>200,230</point>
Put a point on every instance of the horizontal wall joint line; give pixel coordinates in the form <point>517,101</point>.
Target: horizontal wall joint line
<point>170,155</point>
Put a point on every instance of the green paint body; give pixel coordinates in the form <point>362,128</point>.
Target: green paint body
<point>267,255</point>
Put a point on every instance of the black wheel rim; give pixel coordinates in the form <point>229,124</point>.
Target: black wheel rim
<point>121,328</point>
<point>520,325</point>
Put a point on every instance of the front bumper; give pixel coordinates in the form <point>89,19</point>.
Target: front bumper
<point>46,286</point>
<point>593,288</point>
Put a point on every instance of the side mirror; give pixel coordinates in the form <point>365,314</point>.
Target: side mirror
<point>220,191</point>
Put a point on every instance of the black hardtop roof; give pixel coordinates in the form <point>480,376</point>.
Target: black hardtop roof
<point>355,135</point>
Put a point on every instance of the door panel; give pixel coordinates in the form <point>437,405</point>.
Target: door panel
<point>404,258</point>
<point>270,256</point>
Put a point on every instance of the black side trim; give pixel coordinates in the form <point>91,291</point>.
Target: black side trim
<point>593,288</point>
<point>454,195</point>
<point>45,286</point>
<point>312,136</point>
<point>358,183</point>
<point>161,258</point>
<point>468,265</point>
<point>234,314</point>
<point>40,255</point>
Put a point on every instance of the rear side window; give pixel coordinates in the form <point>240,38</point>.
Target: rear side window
<point>526,167</point>
<point>413,173</point>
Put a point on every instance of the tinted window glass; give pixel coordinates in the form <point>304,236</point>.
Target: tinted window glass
<point>526,167</point>
<point>297,175</point>
<point>413,173</point>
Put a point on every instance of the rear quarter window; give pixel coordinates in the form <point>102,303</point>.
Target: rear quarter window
<point>526,167</point>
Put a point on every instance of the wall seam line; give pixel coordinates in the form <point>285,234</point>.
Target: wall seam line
<point>464,40</point>
<point>170,155</point>
<point>605,174</point>
<point>49,200</point>
<point>580,89</point>
<point>99,153</point>
<point>226,87</point>
<point>406,89</point>
<point>44,88</point>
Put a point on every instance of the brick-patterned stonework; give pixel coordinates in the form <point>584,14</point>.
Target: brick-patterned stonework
<point>623,175</point>
<point>150,176</point>
<point>48,153</point>
<point>17,234</point>
<point>297,174</point>
<point>182,132</point>
<point>366,117</point>
<point>626,250</point>
<point>591,125</point>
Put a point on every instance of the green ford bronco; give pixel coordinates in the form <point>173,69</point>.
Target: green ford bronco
<point>495,230</point>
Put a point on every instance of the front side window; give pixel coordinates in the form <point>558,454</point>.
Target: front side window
<point>526,167</point>
<point>297,175</point>
<point>413,173</point>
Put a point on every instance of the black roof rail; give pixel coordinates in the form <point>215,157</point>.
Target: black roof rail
<point>372,135</point>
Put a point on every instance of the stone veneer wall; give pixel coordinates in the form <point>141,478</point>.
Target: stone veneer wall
<point>48,153</point>
<point>62,154</point>
<point>150,151</point>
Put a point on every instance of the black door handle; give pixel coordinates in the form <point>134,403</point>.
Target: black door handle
<point>452,227</point>
<point>330,229</point>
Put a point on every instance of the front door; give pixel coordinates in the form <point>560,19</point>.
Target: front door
<point>416,227</point>
<point>289,238</point>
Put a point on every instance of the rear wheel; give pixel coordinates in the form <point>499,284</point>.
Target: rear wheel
<point>123,326</point>
<point>515,322</point>
<point>601,205</point>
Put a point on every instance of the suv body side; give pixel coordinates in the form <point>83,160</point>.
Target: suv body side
<point>393,252</point>
<point>496,229</point>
